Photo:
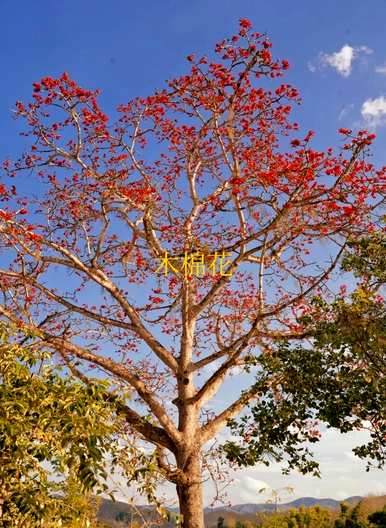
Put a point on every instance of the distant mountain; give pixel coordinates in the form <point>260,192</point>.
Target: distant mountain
<point>324,503</point>
<point>303,501</point>
<point>111,512</point>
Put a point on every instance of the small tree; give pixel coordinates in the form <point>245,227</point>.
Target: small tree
<point>221,522</point>
<point>340,379</point>
<point>350,518</point>
<point>356,330</point>
<point>275,495</point>
<point>181,238</point>
<point>378,518</point>
<point>50,426</point>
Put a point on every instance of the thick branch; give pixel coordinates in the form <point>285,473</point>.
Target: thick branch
<point>101,278</point>
<point>210,429</point>
<point>150,432</point>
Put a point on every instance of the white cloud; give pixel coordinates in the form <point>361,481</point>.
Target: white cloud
<point>341,60</point>
<point>345,111</point>
<point>248,488</point>
<point>341,476</point>
<point>381,69</point>
<point>374,111</point>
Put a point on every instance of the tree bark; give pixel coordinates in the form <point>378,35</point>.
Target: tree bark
<point>190,495</point>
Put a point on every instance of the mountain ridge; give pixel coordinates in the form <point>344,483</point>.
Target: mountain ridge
<point>109,509</point>
<point>302,501</point>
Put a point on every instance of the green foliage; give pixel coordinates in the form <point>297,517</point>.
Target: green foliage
<point>353,336</point>
<point>367,259</point>
<point>378,518</point>
<point>48,425</point>
<point>350,518</point>
<point>279,425</point>
<point>314,517</point>
<point>317,517</point>
<point>340,380</point>
<point>81,507</point>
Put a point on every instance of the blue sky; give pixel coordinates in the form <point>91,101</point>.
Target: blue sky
<point>126,48</point>
<point>129,48</point>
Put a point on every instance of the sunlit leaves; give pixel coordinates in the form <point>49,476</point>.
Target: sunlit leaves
<point>49,427</point>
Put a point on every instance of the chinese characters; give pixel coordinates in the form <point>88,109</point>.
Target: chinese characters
<point>196,264</point>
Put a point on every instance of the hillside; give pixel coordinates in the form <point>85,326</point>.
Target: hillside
<point>110,512</point>
<point>303,501</point>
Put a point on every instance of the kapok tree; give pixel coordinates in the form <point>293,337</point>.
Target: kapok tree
<point>180,242</point>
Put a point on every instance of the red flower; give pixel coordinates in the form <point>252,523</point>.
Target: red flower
<point>310,134</point>
<point>37,87</point>
<point>295,143</point>
<point>156,300</point>
<point>190,58</point>
<point>237,181</point>
<point>245,23</point>
<point>345,131</point>
<point>348,210</point>
<point>20,107</point>
<point>34,236</point>
<point>285,64</point>
<point>5,215</point>
<point>49,82</point>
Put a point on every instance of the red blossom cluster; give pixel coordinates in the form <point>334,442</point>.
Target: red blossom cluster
<point>198,164</point>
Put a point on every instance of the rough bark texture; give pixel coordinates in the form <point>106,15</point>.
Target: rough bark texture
<point>190,494</point>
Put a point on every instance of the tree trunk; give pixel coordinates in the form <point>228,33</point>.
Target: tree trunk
<point>190,494</point>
